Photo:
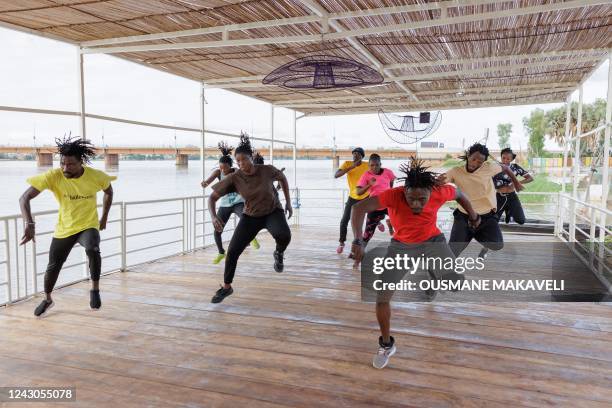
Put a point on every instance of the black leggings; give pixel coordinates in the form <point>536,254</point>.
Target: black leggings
<point>511,206</point>
<point>487,233</point>
<point>346,217</point>
<point>225,213</point>
<point>247,230</point>
<point>372,221</point>
<point>60,249</point>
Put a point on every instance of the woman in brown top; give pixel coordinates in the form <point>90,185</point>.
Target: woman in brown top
<point>262,209</point>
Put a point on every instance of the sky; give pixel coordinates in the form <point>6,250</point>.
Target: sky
<point>40,73</point>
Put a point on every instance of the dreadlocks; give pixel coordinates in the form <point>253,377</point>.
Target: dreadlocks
<point>226,153</point>
<point>417,175</point>
<point>257,158</point>
<point>83,150</point>
<point>244,146</point>
<point>476,147</point>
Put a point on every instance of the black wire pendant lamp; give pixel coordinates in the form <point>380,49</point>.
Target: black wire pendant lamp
<point>323,72</point>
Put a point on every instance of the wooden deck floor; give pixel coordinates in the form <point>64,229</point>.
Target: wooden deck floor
<point>301,338</point>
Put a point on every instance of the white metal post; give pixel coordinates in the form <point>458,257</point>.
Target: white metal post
<point>605,171</point>
<point>566,144</point>
<point>576,164</point>
<point>271,134</point>
<point>81,88</point>
<point>123,232</point>
<point>7,251</point>
<point>203,160</point>
<point>560,210</point>
<point>294,134</point>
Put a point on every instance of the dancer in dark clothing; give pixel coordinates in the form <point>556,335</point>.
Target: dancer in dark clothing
<point>508,204</point>
<point>231,203</point>
<point>262,210</point>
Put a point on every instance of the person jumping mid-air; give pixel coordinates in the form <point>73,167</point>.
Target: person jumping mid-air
<point>508,204</point>
<point>231,203</point>
<point>413,209</point>
<point>262,210</point>
<point>353,170</point>
<point>74,186</point>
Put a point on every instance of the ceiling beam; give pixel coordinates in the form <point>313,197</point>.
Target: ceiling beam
<point>505,68</point>
<point>595,52</point>
<point>202,31</point>
<point>441,108</point>
<point>455,73</point>
<point>279,22</point>
<point>463,98</point>
<point>345,34</point>
<point>466,91</point>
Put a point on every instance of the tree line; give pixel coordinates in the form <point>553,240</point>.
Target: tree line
<point>542,124</point>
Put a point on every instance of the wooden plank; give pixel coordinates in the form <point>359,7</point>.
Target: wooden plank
<point>302,336</point>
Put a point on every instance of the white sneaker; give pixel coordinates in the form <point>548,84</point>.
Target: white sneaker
<point>381,359</point>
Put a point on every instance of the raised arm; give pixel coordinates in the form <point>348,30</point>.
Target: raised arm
<point>26,213</point>
<point>213,176</point>
<point>342,172</point>
<point>517,184</point>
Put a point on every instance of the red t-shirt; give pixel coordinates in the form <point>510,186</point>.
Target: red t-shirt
<point>409,227</point>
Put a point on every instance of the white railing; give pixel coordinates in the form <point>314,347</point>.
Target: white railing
<point>143,231</point>
<point>586,227</point>
<point>137,232</point>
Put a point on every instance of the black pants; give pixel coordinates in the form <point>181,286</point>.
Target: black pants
<point>60,249</point>
<point>247,230</point>
<point>346,217</point>
<point>372,221</point>
<point>509,205</point>
<point>224,213</point>
<point>487,233</point>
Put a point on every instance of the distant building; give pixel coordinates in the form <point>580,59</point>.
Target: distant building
<point>434,145</point>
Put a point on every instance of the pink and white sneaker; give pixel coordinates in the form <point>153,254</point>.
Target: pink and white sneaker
<point>340,248</point>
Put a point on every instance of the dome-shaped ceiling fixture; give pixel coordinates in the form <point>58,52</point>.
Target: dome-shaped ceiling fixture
<point>323,72</point>
<point>408,129</point>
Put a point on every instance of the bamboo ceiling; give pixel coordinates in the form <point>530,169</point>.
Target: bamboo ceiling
<point>434,55</point>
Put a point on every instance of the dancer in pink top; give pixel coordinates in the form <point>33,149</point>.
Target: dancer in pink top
<point>375,181</point>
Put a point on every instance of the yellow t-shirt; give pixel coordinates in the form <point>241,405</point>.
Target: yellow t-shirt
<point>76,197</point>
<point>477,186</point>
<point>353,176</point>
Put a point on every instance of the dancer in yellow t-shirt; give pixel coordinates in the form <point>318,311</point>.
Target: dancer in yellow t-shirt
<point>353,170</point>
<point>75,187</point>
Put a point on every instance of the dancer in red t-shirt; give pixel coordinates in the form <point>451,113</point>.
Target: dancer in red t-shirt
<point>413,210</point>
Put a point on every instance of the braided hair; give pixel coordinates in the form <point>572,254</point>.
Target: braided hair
<point>226,153</point>
<point>417,175</point>
<point>245,146</point>
<point>257,158</point>
<point>475,148</point>
<point>76,147</point>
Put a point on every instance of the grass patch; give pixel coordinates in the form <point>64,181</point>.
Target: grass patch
<point>448,163</point>
<point>540,184</point>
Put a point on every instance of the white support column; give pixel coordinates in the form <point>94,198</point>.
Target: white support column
<point>576,162</point>
<point>566,144</point>
<point>271,134</point>
<point>560,209</point>
<point>203,160</point>
<point>576,166</point>
<point>605,171</point>
<point>294,134</point>
<point>81,89</point>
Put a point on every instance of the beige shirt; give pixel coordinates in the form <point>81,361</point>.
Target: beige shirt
<point>477,186</point>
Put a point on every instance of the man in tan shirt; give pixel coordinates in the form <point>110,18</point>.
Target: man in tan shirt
<point>475,180</point>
